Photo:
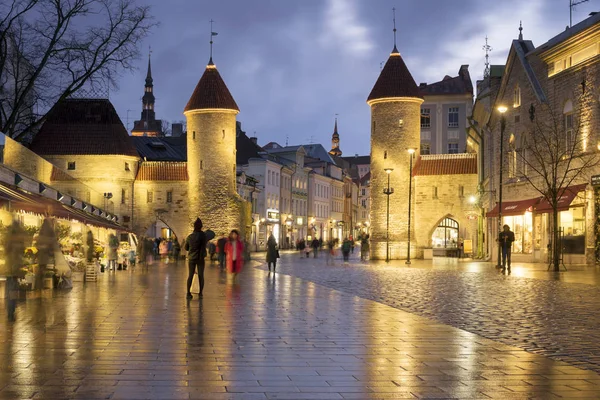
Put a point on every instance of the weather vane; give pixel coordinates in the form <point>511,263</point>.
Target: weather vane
<point>394,13</point>
<point>487,48</point>
<point>212,33</point>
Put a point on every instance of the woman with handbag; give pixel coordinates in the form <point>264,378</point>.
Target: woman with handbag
<point>272,252</point>
<point>234,250</point>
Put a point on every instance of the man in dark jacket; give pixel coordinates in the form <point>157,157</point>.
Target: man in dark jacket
<point>195,245</point>
<point>505,240</point>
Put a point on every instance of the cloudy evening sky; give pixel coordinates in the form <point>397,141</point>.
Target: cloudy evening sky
<point>291,65</point>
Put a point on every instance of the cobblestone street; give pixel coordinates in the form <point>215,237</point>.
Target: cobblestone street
<point>132,335</point>
<point>542,312</point>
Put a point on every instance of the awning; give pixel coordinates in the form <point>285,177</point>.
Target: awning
<point>514,207</point>
<point>564,202</point>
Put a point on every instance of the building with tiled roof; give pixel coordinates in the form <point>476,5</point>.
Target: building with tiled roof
<point>211,92</point>
<point>445,164</point>
<point>148,125</point>
<point>395,81</point>
<point>444,114</point>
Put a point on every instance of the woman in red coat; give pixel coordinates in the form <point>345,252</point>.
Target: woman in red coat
<point>234,250</point>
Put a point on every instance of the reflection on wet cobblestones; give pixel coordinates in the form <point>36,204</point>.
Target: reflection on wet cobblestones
<point>548,317</point>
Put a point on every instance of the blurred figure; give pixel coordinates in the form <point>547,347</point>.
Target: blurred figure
<point>364,246</point>
<point>221,242</point>
<point>272,252</point>
<point>346,246</point>
<point>212,250</point>
<point>14,249</point>
<point>163,249</point>
<point>113,246</point>
<point>176,250</point>
<point>315,246</point>
<point>234,250</point>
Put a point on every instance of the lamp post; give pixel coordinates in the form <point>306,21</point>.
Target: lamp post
<point>388,191</point>
<point>411,153</point>
<point>501,110</point>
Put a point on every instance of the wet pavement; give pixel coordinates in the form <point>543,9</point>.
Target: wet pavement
<point>552,314</point>
<point>133,335</point>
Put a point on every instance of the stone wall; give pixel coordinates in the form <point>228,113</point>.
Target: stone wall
<point>431,209</point>
<point>390,140</point>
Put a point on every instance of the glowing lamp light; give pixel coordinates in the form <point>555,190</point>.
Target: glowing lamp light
<point>472,199</point>
<point>502,109</point>
<point>411,150</point>
<point>388,171</point>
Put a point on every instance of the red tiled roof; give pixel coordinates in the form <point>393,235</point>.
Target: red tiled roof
<point>211,92</point>
<point>395,80</point>
<point>445,164</point>
<point>162,171</point>
<point>83,127</point>
<point>60,175</point>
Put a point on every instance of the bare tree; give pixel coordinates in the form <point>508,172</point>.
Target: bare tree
<point>165,128</point>
<point>556,153</point>
<point>50,49</point>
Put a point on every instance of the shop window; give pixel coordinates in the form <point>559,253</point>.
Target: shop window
<point>446,234</point>
<point>71,165</point>
<point>522,226</point>
<point>572,222</point>
<point>169,196</point>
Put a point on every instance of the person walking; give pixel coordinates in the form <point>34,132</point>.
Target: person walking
<point>234,251</point>
<point>163,249</point>
<point>195,245</point>
<point>272,252</point>
<point>364,247</point>
<point>176,249</point>
<point>315,246</point>
<point>330,252</point>
<point>307,248</point>
<point>113,245</point>
<point>346,245</point>
<point>221,250</point>
<point>505,240</point>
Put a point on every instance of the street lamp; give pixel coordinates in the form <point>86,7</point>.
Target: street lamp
<point>388,191</point>
<point>501,110</point>
<point>411,152</point>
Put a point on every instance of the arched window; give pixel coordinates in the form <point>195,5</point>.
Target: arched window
<point>446,234</point>
<point>512,157</point>
<point>517,97</point>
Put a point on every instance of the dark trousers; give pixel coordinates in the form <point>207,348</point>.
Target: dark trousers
<point>221,258</point>
<point>346,255</point>
<point>12,288</point>
<point>192,265</point>
<point>274,265</point>
<point>505,256</point>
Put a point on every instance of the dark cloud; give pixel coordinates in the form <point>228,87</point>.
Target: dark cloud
<point>293,65</point>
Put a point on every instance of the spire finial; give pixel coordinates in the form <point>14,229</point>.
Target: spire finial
<point>520,30</point>
<point>212,33</point>
<point>335,126</point>
<point>149,73</point>
<point>487,48</point>
<point>394,13</point>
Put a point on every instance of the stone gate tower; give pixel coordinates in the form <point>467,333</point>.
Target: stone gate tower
<point>211,136</point>
<point>395,103</point>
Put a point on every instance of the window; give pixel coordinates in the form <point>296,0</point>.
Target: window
<point>425,148</point>
<point>435,192</point>
<point>453,117</point>
<point>461,191</point>
<point>425,118</point>
<point>512,163</point>
<point>364,203</point>
<point>568,113</point>
<point>169,196</point>
<point>71,165</point>
<point>194,135</point>
<point>452,148</point>
<point>426,135</point>
<point>364,191</point>
<point>269,177</point>
<point>127,167</point>
<point>149,197</point>
<point>517,97</point>
<point>123,195</point>
<point>452,135</point>
<point>400,123</point>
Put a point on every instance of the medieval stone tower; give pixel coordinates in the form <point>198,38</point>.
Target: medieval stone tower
<point>395,103</point>
<point>211,134</point>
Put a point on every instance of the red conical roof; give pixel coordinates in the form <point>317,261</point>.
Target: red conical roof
<point>211,92</point>
<point>395,80</point>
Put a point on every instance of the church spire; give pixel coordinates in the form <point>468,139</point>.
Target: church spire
<point>149,73</point>
<point>335,141</point>
<point>520,30</point>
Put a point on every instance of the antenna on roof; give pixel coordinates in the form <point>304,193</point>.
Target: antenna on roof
<point>394,13</point>
<point>572,4</point>
<point>487,48</point>
<point>287,138</point>
<point>212,33</point>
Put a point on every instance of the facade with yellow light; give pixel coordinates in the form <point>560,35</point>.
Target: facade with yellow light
<point>558,80</point>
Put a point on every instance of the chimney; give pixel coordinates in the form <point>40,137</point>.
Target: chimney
<point>422,84</point>
<point>254,140</point>
<point>177,129</point>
